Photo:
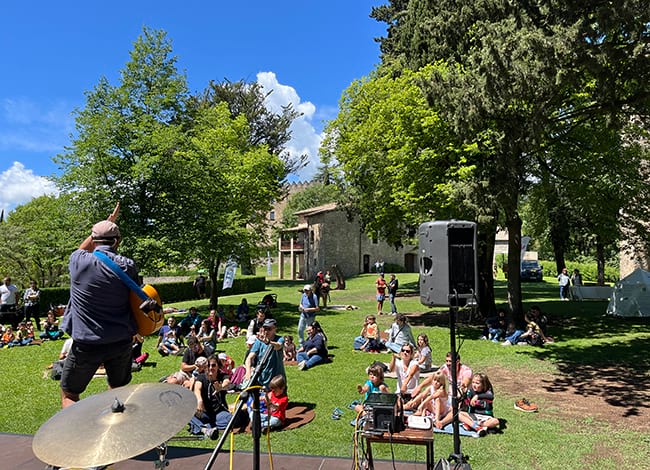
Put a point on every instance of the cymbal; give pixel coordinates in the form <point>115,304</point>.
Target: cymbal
<point>90,433</point>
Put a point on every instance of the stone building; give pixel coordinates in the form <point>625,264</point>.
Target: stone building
<point>324,237</point>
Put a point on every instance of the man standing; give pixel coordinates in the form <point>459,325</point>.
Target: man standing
<point>31,298</point>
<point>380,284</point>
<point>274,365</point>
<point>565,282</point>
<point>9,302</point>
<point>392,292</point>
<point>308,307</point>
<point>98,317</point>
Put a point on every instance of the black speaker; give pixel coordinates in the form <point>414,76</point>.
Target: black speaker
<point>448,273</point>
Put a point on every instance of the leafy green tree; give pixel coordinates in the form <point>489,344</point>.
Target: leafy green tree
<point>127,136</point>
<point>515,78</point>
<point>40,235</point>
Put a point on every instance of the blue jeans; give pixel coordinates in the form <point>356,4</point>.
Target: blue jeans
<point>513,338</point>
<point>304,321</point>
<point>396,348</point>
<point>203,421</point>
<point>393,307</point>
<point>310,361</point>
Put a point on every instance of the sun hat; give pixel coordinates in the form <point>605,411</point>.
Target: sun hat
<point>307,287</point>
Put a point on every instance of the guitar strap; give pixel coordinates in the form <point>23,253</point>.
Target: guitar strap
<point>131,284</point>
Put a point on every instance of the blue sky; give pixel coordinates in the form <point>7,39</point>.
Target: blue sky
<point>306,52</point>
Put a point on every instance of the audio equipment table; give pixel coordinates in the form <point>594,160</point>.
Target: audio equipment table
<point>422,437</point>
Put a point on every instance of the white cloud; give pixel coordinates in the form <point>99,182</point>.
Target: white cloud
<point>305,139</point>
<point>19,185</point>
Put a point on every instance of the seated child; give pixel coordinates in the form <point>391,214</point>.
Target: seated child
<point>478,401</point>
<point>276,404</point>
<point>423,353</point>
<point>169,344</point>
<point>201,364</point>
<point>374,384</point>
<point>370,335</point>
<point>438,403</point>
<point>22,335</point>
<point>289,349</point>
<point>8,337</point>
<point>51,327</point>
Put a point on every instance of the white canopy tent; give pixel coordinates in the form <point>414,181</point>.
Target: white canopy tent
<point>631,296</point>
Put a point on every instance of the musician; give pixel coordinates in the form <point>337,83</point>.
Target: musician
<point>98,317</point>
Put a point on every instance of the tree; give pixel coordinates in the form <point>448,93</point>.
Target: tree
<point>40,236</point>
<point>515,78</point>
<point>194,182</point>
<point>127,136</point>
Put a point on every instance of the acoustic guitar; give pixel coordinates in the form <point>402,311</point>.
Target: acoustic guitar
<point>149,320</point>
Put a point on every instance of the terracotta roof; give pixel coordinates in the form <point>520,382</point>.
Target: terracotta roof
<point>318,209</point>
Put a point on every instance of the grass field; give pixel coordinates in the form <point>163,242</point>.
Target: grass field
<point>587,342</point>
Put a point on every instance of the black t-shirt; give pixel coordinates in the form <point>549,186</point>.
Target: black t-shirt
<point>214,401</point>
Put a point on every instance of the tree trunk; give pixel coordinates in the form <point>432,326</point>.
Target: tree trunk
<point>213,270</point>
<point>513,224</point>
<point>600,261</point>
<point>485,257</point>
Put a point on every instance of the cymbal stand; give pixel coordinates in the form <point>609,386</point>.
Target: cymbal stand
<point>162,460</point>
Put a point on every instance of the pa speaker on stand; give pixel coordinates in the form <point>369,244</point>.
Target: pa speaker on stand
<point>449,278</point>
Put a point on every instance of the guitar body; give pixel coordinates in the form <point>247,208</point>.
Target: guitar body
<point>149,322</point>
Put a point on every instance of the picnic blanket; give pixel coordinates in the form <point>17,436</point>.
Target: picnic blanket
<point>298,414</point>
<point>449,429</point>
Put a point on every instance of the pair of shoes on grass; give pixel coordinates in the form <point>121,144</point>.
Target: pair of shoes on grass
<point>337,413</point>
<point>525,406</point>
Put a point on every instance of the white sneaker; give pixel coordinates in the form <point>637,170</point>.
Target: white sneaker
<point>210,433</point>
<point>301,365</point>
<point>506,343</point>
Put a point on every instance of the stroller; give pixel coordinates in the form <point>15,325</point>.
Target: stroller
<point>268,302</point>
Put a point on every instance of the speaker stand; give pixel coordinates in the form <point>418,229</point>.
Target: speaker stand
<point>457,456</point>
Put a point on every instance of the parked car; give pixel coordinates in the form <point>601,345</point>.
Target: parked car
<point>531,270</point>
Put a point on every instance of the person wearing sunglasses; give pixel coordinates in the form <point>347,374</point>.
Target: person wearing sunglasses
<point>407,370</point>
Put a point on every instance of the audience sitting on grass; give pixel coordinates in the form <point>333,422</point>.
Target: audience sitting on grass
<point>275,403</point>
<point>191,319</point>
<point>399,334</point>
<point>50,327</point>
<point>191,354</point>
<point>368,339</point>
<point>314,350</point>
<point>8,337</point>
<point>423,353</point>
<point>289,349</point>
<point>173,339</point>
<point>207,336</point>
<point>438,402</point>
<point>407,370</point>
<point>534,334</point>
<point>255,324</point>
<point>374,384</point>
<point>496,326</point>
<point>478,401</point>
<point>242,311</point>
<point>463,380</point>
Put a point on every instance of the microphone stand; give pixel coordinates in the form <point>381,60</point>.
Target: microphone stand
<point>256,428</point>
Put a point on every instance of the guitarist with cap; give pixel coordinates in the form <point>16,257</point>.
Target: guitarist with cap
<point>98,317</point>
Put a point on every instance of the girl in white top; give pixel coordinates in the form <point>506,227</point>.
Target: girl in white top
<point>423,354</point>
<point>437,404</point>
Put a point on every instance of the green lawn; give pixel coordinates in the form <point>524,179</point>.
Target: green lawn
<point>586,341</point>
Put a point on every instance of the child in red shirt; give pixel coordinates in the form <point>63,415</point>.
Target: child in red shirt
<point>277,404</point>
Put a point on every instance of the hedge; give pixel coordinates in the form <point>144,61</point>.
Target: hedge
<point>169,291</point>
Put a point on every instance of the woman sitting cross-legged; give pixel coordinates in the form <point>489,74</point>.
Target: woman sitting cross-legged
<point>314,349</point>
